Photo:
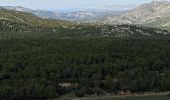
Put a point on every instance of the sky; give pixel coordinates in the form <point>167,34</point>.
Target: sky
<point>64,4</point>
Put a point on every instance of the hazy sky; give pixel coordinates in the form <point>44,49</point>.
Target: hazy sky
<point>59,4</point>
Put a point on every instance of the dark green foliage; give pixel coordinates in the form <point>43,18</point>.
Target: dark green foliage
<point>81,92</point>
<point>44,59</point>
<point>36,60</point>
<point>33,68</point>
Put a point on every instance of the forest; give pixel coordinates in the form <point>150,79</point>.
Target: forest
<point>46,59</point>
<point>40,62</point>
<point>45,68</point>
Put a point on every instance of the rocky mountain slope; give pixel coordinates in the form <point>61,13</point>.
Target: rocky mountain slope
<point>13,21</point>
<point>70,15</point>
<point>30,19</point>
<point>154,14</point>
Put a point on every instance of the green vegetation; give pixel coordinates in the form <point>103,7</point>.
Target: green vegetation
<point>127,98</point>
<point>34,68</point>
<point>30,19</point>
<point>40,62</point>
<point>25,24</point>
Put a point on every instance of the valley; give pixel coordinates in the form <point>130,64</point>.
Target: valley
<point>81,15</point>
<point>50,58</point>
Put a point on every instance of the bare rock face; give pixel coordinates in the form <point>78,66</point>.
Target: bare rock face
<point>156,12</point>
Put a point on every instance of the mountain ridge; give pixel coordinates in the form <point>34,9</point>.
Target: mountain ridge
<point>145,14</point>
<point>22,21</point>
<point>76,15</point>
<point>31,19</point>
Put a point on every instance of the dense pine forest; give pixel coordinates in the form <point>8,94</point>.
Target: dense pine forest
<point>45,62</point>
<point>48,68</point>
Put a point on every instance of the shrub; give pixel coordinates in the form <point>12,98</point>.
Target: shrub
<point>98,91</point>
<point>81,92</point>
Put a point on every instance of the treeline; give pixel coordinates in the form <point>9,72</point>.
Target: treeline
<point>48,68</point>
<point>15,30</point>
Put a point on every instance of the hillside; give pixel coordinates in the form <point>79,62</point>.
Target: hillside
<point>69,14</point>
<point>16,21</point>
<point>154,14</point>
<point>30,19</point>
<point>44,59</point>
<point>36,69</point>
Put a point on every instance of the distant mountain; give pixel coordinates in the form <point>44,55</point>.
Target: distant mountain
<point>19,17</point>
<point>74,15</point>
<point>154,14</point>
<point>17,8</point>
<point>16,20</point>
<point>39,13</point>
<point>90,14</point>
